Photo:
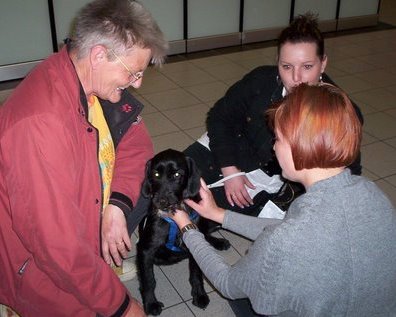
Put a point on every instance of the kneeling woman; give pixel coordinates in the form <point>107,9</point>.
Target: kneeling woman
<point>334,254</point>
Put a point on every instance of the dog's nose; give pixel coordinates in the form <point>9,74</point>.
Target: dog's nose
<point>163,202</point>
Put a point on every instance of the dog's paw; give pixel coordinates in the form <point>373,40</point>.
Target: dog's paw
<point>201,301</point>
<point>219,243</point>
<point>223,244</point>
<point>154,308</point>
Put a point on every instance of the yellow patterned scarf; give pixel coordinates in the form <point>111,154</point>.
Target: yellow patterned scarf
<point>106,155</point>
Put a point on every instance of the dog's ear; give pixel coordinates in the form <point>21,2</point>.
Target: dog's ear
<point>146,185</point>
<point>193,182</point>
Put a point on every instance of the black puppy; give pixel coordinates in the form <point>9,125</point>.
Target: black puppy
<point>170,178</point>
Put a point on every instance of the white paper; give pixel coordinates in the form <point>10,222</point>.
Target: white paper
<point>270,210</point>
<point>271,184</point>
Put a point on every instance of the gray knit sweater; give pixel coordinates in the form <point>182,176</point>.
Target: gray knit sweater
<point>333,255</point>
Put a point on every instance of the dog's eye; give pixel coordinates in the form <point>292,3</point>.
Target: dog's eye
<point>156,174</point>
<point>176,175</point>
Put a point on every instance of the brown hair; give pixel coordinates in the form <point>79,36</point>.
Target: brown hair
<point>303,29</point>
<point>320,124</point>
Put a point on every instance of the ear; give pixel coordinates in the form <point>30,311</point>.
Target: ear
<point>146,190</point>
<point>97,55</point>
<point>193,182</point>
<point>324,63</point>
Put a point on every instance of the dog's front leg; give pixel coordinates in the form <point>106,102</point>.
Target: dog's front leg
<point>200,298</point>
<point>145,266</point>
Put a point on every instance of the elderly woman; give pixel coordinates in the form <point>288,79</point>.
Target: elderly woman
<point>73,149</point>
<point>334,254</point>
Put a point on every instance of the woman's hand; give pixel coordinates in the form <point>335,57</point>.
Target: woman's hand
<point>207,206</point>
<point>115,239</point>
<point>235,188</point>
<point>181,218</point>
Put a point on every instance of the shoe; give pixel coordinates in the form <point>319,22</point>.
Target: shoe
<point>6,311</point>
<point>127,270</point>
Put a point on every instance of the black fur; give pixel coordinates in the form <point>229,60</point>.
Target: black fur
<point>170,178</point>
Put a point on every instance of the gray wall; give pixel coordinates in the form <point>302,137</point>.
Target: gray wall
<point>27,36</point>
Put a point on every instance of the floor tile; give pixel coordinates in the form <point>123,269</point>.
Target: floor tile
<point>180,310</point>
<point>391,142</point>
<point>351,65</point>
<point>178,67</point>
<point>208,91</point>
<point>369,175</point>
<point>250,64</point>
<point>155,84</point>
<point>195,133</point>
<point>164,291</point>
<point>364,108</point>
<point>148,107</point>
<point>391,180</point>
<point>188,117</point>
<point>227,70</point>
<point>391,112</point>
<point>209,62</point>
<point>367,139</point>
<point>218,307</point>
<point>231,256</point>
<point>351,84</point>
<point>158,124</point>
<point>171,99</point>
<point>379,99</point>
<point>378,77</point>
<point>334,72</point>
<point>382,60</point>
<point>380,125</point>
<point>379,158</point>
<point>186,79</point>
<point>176,140</point>
<point>178,274</point>
<point>239,243</point>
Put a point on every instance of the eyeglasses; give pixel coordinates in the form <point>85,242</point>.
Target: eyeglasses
<point>135,76</point>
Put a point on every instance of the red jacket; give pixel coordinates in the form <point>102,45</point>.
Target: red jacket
<point>50,198</point>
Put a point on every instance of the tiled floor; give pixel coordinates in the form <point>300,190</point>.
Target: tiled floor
<point>178,96</point>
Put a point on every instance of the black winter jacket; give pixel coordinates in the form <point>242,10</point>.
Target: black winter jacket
<point>237,128</point>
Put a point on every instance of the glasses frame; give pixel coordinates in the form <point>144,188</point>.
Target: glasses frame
<point>135,76</point>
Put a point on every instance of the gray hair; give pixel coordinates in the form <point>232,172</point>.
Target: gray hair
<point>119,25</point>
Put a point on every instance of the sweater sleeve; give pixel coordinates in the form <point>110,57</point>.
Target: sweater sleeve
<point>247,226</point>
<point>212,264</point>
<point>245,277</point>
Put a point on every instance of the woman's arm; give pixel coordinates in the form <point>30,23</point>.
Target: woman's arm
<point>248,226</point>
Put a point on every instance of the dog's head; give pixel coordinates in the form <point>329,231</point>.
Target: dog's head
<point>170,178</point>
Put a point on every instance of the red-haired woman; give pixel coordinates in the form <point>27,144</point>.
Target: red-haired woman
<point>334,254</point>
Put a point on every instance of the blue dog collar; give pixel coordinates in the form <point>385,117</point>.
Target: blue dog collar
<point>174,230</point>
